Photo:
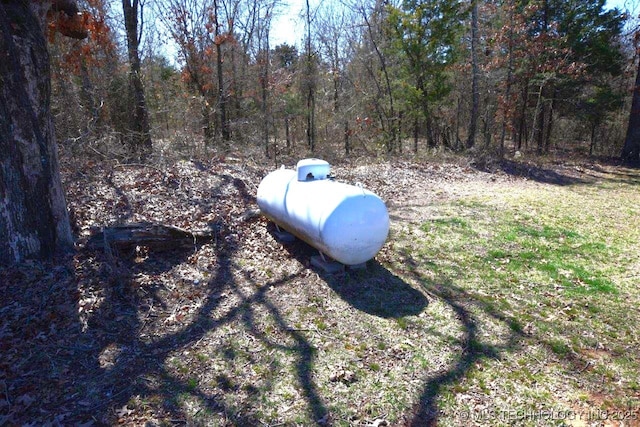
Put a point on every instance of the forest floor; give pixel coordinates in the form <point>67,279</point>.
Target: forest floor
<point>507,297</point>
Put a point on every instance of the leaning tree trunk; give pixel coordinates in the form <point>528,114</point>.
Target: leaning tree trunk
<point>631,149</point>
<point>33,214</point>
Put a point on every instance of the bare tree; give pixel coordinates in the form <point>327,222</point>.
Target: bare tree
<point>475,76</point>
<point>265,15</point>
<point>373,19</point>
<point>139,123</point>
<point>222,99</point>
<point>333,29</point>
<point>310,81</point>
<point>509,80</point>
<point>190,25</point>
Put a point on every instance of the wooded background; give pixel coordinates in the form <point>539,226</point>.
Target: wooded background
<point>366,78</point>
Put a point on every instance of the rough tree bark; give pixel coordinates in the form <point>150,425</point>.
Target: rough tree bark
<point>34,222</point>
<point>139,124</point>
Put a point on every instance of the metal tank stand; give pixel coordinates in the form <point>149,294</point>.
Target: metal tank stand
<point>283,236</point>
<point>327,264</point>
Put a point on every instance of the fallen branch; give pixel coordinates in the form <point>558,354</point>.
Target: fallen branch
<point>153,236</point>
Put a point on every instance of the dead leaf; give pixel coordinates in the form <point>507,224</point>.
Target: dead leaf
<point>343,375</point>
<point>25,400</point>
<point>124,411</point>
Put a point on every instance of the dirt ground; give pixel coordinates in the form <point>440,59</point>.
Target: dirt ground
<point>123,337</point>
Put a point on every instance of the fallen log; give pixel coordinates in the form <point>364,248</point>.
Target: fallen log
<point>157,237</point>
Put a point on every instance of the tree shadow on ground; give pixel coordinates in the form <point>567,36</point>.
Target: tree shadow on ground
<point>539,174</point>
<point>86,364</point>
<point>623,175</point>
<point>378,291</point>
<point>145,360</point>
<point>142,371</point>
<point>591,173</point>
<point>139,365</point>
<point>463,304</point>
<point>100,369</point>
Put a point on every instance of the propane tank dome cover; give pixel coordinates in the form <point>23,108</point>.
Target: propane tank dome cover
<point>313,169</point>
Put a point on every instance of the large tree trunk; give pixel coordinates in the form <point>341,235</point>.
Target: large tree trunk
<point>33,214</point>
<point>139,123</point>
<point>631,149</point>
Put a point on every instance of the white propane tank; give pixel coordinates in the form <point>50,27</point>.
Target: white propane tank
<point>346,222</point>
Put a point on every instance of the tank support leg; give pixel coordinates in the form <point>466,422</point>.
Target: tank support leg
<point>282,235</point>
<point>327,265</point>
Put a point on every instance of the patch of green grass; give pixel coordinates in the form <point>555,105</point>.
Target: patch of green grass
<point>179,365</point>
<point>320,324</point>
<point>559,347</point>
<point>516,326</point>
<point>560,255</point>
<point>402,322</point>
<point>192,384</point>
<point>448,222</point>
